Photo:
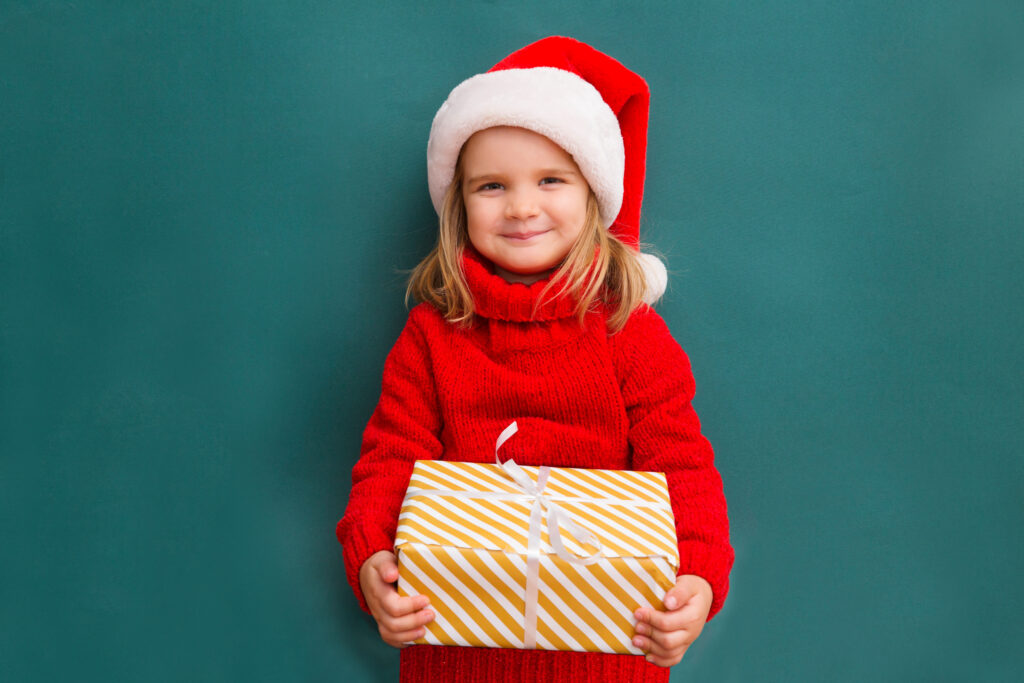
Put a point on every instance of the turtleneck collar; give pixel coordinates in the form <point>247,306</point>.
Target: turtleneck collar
<point>497,299</point>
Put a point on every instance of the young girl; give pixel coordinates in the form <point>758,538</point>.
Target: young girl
<point>534,308</point>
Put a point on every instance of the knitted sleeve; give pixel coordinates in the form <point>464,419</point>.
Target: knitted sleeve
<point>404,427</point>
<point>657,387</point>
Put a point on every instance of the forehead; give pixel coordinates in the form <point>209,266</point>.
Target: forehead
<point>509,145</point>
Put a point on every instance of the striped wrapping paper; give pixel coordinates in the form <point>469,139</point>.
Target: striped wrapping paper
<point>463,540</point>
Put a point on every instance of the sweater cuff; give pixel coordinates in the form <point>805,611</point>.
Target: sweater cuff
<point>711,564</point>
<point>359,542</point>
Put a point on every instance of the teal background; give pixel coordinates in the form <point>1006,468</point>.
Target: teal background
<point>206,209</point>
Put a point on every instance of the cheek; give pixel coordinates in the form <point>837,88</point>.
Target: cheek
<point>475,226</point>
<point>574,211</point>
<point>478,215</point>
<point>478,228</point>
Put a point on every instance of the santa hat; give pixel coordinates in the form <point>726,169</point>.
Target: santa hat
<point>583,100</point>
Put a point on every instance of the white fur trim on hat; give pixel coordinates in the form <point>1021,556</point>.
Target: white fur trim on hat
<point>557,104</point>
<point>656,276</point>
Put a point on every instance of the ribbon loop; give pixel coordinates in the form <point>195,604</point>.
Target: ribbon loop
<point>557,517</point>
<point>514,471</point>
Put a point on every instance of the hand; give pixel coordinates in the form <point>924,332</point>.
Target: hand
<point>399,619</point>
<point>665,636</point>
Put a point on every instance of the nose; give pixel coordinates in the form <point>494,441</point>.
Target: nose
<point>521,205</point>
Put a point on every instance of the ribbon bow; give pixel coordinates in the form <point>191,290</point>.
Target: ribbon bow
<point>557,517</point>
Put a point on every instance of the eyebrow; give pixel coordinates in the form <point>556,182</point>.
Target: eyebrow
<point>543,172</point>
<point>476,179</point>
<point>557,171</point>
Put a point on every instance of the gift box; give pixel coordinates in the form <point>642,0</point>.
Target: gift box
<point>535,557</point>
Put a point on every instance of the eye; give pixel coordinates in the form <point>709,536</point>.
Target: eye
<point>489,186</point>
<point>550,180</point>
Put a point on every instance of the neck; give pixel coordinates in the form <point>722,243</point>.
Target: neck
<point>509,276</point>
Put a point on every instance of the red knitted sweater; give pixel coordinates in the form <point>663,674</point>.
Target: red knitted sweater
<point>582,398</point>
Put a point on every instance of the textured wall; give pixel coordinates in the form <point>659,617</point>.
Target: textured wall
<point>205,212</point>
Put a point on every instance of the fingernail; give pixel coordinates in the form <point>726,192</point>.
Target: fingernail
<point>671,602</point>
<point>650,658</point>
<point>638,642</point>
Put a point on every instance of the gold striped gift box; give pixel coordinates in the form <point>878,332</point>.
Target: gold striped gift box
<point>535,557</point>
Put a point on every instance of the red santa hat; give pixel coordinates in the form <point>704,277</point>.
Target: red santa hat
<point>583,100</point>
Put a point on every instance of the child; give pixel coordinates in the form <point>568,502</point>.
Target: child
<point>533,309</point>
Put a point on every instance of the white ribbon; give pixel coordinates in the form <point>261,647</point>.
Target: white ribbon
<point>557,517</point>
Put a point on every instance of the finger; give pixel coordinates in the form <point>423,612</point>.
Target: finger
<point>690,616</point>
<point>385,597</point>
<point>652,647</point>
<point>670,641</point>
<point>648,646</point>
<point>395,605</point>
<point>662,656</point>
<point>676,598</point>
<point>668,621</point>
<point>683,593</point>
<point>665,661</point>
<point>406,640</point>
<point>402,638</point>
<point>396,641</point>
<point>692,613</point>
<point>387,569</point>
<point>696,607</point>
<point>407,622</point>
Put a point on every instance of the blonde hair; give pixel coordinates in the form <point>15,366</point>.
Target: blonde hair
<point>612,276</point>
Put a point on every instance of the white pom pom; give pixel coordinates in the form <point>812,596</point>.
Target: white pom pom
<point>656,276</point>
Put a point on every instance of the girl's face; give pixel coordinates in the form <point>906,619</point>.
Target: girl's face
<point>525,199</point>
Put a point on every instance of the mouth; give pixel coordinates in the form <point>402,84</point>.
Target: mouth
<point>523,236</point>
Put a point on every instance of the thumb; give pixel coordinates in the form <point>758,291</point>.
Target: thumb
<point>680,594</point>
<point>388,570</point>
<point>675,598</point>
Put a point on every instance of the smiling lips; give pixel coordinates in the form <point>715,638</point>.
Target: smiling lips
<point>523,236</point>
